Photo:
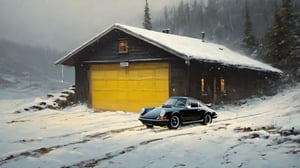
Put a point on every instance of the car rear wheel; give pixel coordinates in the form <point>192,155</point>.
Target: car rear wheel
<point>207,119</point>
<point>174,122</point>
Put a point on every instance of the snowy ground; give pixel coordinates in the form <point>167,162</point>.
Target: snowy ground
<point>260,133</point>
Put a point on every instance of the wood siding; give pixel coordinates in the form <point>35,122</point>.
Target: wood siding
<point>184,78</point>
<point>178,80</point>
<point>82,83</point>
<point>106,50</point>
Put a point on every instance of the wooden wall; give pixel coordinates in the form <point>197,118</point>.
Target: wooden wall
<point>82,83</point>
<point>178,78</point>
<point>239,83</point>
<point>106,50</point>
<point>185,78</point>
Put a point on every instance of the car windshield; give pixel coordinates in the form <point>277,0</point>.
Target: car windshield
<point>181,102</point>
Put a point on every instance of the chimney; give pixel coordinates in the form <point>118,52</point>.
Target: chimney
<point>167,31</point>
<point>203,36</point>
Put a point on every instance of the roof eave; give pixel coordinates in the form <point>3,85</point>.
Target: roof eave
<point>274,70</point>
<point>71,54</point>
<point>152,42</point>
<point>69,59</point>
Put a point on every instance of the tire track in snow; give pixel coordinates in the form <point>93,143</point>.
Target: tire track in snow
<point>110,155</point>
<point>44,150</point>
<point>226,155</point>
<point>236,118</point>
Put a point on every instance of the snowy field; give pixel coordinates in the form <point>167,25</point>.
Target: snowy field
<point>260,133</point>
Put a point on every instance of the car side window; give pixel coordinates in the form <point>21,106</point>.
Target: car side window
<point>194,104</point>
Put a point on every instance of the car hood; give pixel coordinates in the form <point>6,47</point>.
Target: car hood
<point>153,114</point>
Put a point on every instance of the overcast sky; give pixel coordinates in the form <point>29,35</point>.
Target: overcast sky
<point>65,24</point>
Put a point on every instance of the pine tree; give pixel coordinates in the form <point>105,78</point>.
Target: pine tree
<point>296,49</point>
<point>292,31</point>
<point>249,42</point>
<point>280,39</point>
<point>272,44</point>
<point>147,19</point>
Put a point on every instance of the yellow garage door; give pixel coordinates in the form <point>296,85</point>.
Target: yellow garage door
<point>129,88</point>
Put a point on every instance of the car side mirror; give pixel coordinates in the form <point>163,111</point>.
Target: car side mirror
<point>188,107</point>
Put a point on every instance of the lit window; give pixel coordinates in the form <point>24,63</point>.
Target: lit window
<point>222,86</point>
<point>203,91</point>
<point>123,47</point>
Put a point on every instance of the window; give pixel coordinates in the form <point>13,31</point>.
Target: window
<point>203,86</point>
<point>123,47</point>
<point>194,104</point>
<point>222,86</point>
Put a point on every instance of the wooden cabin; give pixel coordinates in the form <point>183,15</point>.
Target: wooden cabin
<point>128,68</point>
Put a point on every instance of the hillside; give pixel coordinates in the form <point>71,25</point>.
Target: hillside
<point>263,132</point>
<point>25,67</point>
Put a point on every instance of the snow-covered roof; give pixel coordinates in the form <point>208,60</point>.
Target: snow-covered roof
<point>184,47</point>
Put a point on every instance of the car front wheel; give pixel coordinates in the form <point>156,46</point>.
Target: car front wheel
<point>207,119</point>
<point>174,122</point>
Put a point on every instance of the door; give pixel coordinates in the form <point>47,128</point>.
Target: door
<point>129,88</point>
<point>191,113</point>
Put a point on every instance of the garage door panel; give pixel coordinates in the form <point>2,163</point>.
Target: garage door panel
<point>129,88</point>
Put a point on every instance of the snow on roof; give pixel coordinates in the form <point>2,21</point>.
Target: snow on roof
<point>184,47</point>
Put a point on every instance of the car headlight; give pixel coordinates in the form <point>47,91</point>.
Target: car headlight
<point>142,110</point>
<point>162,113</point>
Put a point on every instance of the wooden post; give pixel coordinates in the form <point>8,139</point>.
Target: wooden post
<point>215,96</point>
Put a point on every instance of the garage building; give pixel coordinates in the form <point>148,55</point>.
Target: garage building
<point>127,68</point>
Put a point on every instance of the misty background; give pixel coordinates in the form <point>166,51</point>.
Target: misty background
<point>65,24</point>
<point>36,33</point>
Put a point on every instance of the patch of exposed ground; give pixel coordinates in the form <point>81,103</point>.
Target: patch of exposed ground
<point>54,101</point>
<point>254,133</point>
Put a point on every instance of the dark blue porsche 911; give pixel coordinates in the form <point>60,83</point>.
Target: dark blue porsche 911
<point>177,111</point>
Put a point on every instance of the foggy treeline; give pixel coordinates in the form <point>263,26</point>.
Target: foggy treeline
<point>224,22</point>
<point>32,63</point>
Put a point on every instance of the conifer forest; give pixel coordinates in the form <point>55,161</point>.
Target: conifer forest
<point>267,30</point>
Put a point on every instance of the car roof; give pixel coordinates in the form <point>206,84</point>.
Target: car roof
<point>178,97</point>
<point>183,97</point>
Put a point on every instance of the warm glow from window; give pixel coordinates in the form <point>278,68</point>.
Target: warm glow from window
<point>222,85</point>
<point>123,47</point>
<point>203,86</point>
